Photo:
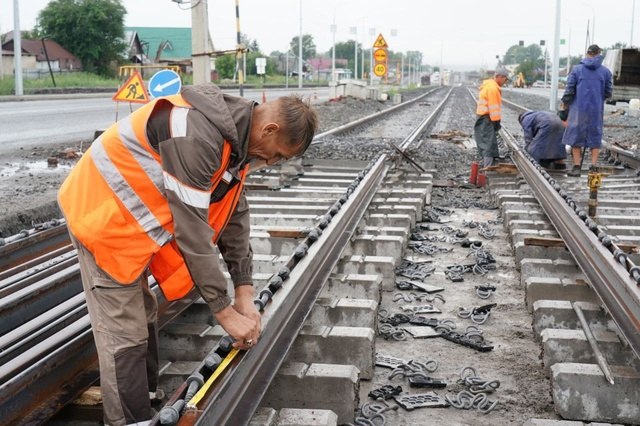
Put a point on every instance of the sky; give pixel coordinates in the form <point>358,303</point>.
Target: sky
<point>457,34</point>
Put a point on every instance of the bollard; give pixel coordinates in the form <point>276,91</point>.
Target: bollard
<point>474,173</point>
<point>482,180</point>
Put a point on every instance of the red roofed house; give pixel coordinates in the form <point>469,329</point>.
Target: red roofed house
<point>60,59</point>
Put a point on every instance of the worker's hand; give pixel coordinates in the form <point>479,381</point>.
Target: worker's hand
<point>496,125</point>
<point>243,303</point>
<point>242,329</point>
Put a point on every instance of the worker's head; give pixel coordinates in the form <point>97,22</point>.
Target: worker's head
<point>521,116</point>
<point>593,50</point>
<point>501,76</point>
<point>281,130</point>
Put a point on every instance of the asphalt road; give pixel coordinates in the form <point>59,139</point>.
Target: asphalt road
<point>55,119</point>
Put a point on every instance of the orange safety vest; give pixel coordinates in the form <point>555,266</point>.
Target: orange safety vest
<point>114,204</point>
<point>490,100</point>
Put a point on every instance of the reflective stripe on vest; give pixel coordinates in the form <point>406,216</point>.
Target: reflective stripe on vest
<point>168,266</point>
<point>114,198</point>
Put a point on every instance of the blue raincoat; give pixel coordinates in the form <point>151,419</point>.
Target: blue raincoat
<point>543,132</point>
<point>588,85</point>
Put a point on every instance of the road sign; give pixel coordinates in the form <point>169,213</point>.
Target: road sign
<point>164,83</point>
<point>380,55</point>
<point>132,90</point>
<point>380,42</point>
<point>380,70</point>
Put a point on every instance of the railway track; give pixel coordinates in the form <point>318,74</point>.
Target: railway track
<point>327,238</point>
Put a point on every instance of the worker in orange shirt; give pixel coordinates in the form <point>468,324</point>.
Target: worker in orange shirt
<point>489,112</point>
<point>160,192</point>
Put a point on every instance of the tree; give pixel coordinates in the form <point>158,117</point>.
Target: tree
<point>517,54</point>
<point>308,46</point>
<point>93,30</point>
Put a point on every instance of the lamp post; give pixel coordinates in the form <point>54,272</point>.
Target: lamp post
<point>372,33</point>
<point>354,31</point>
<point>333,51</point>
<point>300,51</point>
<point>553,100</point>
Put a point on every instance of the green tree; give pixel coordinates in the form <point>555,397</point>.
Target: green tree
<point>93,30</point>
<point>226,65</point>
<point>517,54</point>
<point>308,46</point>
<point>529,69</point>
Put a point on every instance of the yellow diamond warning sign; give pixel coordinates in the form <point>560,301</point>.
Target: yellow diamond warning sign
<point>380,42</point>
<point>132,90</point>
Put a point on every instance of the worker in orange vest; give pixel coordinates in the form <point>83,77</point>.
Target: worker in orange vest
<point>158,191</point>
<point>489,114</point>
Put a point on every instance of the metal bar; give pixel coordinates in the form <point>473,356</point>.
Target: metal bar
<point>602,361</point>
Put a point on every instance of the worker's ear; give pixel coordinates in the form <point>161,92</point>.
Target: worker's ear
<point>270,129</point>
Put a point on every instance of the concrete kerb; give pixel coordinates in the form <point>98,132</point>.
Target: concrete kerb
<point>572,346</point>
<point>580,391</point>
<point>552,288</point>
<point>354,286</point>
<point>343,312</point>
<point>370,265</point>
<point>336,345</point>
<point>300,385</point>
<point>560,314</point>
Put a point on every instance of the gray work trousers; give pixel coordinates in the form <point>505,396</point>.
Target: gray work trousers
<point>485,136</point>
<point>124,323</point>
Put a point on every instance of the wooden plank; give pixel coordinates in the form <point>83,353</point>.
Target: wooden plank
<point>286,233</point>
<point>558,242</point>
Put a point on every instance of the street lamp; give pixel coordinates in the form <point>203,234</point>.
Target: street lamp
<point>372,33</point>
<point>333,51</point>
<point>300,51</point>
<point>354,31</point>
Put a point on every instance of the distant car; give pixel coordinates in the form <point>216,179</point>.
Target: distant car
<point>540,83</point>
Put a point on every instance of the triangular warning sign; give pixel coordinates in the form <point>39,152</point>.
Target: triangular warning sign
<point>380,42</point>
<point>132,90</point>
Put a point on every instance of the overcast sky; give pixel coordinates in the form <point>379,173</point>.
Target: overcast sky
<point>462,34</point>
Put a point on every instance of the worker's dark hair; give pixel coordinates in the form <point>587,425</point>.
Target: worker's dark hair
<point>299,120</point>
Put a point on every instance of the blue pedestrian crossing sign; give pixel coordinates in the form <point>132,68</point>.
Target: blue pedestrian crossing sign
<point>164,83</point>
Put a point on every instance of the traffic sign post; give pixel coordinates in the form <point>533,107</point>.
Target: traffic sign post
<point>380,56</point>
<point>164,83</point>
<point>132,90</point>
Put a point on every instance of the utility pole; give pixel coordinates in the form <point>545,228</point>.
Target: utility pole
<point>240,57</point>
<point>300,51</point>
<point>17,49</point>
<point>1,60</point>
<point>200,43</point>
<point>633,15</point>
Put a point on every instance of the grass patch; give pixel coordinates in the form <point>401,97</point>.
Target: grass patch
<point>66,80</point>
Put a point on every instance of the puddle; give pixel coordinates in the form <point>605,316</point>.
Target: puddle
<point>11,169</point>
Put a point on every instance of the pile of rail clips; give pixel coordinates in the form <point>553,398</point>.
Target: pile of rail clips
<point>414,300</point>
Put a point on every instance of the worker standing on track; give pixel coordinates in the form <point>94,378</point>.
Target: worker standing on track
<point>543,131</point>
<point>154,193</point>
<point>489,112</point>
<point>588,86</point>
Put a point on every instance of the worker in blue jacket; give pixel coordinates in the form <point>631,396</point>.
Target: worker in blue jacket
<point>543,131</point>
<point>588,86</point>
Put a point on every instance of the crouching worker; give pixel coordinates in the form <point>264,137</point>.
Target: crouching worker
<point>157,192</point>
<point>543,132</point>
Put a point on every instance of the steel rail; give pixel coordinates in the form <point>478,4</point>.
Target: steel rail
<point>611,281</point>
<point>352,125</point>
<point>73,363</point>
<point>242,388</point>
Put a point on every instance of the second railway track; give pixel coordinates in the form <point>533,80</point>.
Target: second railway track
<point>347,231</point>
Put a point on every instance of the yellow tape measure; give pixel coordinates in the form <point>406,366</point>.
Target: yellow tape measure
<point>203,390</point>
